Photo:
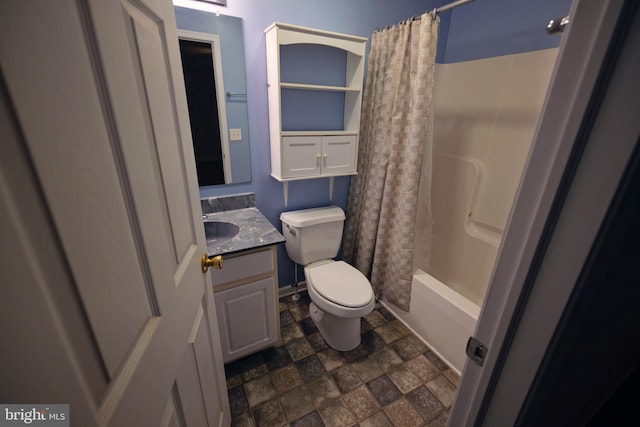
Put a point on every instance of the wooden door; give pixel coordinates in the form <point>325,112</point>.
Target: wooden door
<point>104,305</point>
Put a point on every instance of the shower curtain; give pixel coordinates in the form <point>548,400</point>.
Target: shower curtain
<point>381,210</point>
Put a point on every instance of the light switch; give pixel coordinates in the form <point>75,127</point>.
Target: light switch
<point>235,134</point>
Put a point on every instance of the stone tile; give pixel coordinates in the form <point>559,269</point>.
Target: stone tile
<point>435,360</point>
<point>365,326</point>
<point>384,390</point>
<point>322,391</point>
<point>286,378</point>
<point>310,368</point>
<point>331,359</point>
<point>403,378</point>
<point>417,343</point>
<point>252,366</point>
<point>286,318</point>
<point>259,390</point>
<point>402,414</point>
<point>346,378</point>
<point>288,300</point>
<point>367,368</point>
<point>371,341</point>
<point>405,349</point>
<point>290,332</point>
<point>422,368</point>
<point>304,382</point>
<point>442,389</point>
<point>361,402</point>
<point>270,414</point>
<point>317,342</point>
<point>257,372</point>
<point>452,377</point>
<point>388,333</point>
<point>424,402</point>
<point>249,362</point>
<point>375,319</point>
<point>299,348</point>
<point>387,358</point>
<point>244,420</point>
<point>235,381</point>
<point>308,326</point>
<point>297,403</point>
<point>386,314</point>
<point>440,420</point>
<point>355,354</point>
<point>401,327</point>
<point>277,357</point>
<point>238,401</point>
<point>337,414</point>
<point>378,420</point>
<point>300,312</point>
<point>310,420</point>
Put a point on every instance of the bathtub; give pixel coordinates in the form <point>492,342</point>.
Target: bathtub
<point>441,317</point>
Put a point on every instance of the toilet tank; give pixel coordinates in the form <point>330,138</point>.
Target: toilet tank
<point>312,234</point>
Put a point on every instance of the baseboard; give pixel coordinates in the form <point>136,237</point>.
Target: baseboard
<point>290,290</point>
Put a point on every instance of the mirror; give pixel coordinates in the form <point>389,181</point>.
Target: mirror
<point>212,50</point>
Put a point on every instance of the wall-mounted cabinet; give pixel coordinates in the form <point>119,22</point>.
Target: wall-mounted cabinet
<point>315,81</point>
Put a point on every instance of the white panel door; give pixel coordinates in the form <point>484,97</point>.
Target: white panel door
<point>101,219</point>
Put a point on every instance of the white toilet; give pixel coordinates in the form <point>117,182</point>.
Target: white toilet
<point>340,294</point>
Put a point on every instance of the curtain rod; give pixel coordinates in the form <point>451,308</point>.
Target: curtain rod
<point>450,6</point>
<point>434,11</point>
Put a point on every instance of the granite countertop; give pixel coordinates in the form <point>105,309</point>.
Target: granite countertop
<point>255,231</point>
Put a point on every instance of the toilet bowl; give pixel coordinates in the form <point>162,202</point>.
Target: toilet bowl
<point>340,294</point>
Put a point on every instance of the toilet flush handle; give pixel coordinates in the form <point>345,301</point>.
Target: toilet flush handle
<point>291,230</point>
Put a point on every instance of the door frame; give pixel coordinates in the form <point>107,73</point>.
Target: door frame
<point>216,54</point>
<point>535,272</point>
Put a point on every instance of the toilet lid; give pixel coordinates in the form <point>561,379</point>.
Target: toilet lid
<point>340,283</point>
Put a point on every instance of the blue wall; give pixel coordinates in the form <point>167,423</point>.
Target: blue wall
<point>488,28</point>
<point>480,29</point>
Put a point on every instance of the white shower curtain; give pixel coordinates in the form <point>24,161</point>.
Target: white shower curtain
<point>381,211</point>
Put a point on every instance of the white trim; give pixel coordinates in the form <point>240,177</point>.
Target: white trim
<point>581,55</point>
<point>214,39</point>
<point>285,291</point>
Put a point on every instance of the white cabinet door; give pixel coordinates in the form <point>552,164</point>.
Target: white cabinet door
<point>314,156</point>
<point>338,154</point>
<point>247,318</point>
<point>301,156</point>
<point>101,230</point>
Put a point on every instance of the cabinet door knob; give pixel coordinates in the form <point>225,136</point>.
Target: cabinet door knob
<point>215,262</point>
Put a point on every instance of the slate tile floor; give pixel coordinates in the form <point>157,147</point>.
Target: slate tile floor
<point>391,379</point>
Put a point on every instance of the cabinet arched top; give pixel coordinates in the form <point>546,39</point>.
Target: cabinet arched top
<point>294,34</point>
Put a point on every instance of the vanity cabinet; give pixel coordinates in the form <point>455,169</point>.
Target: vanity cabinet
<point>246,298</point>
<point>315,81</point>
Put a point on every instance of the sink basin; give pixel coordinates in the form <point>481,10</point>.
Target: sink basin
<point>218,232</point>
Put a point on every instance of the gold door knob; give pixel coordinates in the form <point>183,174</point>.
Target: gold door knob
<point>215,262</point>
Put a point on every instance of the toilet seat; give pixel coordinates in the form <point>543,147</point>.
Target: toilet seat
<point>339,283</point>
